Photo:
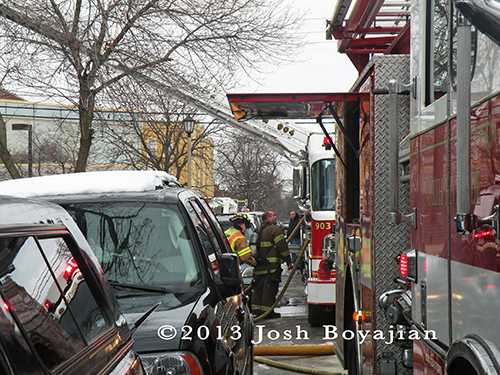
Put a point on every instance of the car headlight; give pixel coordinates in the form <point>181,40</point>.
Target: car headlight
<point>175,363</point>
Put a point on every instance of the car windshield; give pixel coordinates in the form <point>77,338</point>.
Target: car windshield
<point>143,244</point>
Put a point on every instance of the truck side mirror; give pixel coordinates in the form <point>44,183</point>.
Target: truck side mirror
<point>299,182</point>
<point>229,266</point>
<point>495,222</point>
<point>482,15</point>
<point>354,243</point>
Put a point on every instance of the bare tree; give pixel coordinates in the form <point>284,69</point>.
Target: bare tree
<point>5,155</point>
<point>73,49</point>
<point>249,170</point>
<point>55,150</point>
<point>156,137</point>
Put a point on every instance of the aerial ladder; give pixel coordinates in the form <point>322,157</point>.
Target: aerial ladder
<point>284,139</point>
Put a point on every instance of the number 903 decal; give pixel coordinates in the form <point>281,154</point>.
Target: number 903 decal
<point>168,332</point>
<point>323,225</point>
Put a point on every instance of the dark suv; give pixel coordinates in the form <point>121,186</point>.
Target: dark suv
<point>162,249</point>
<point>57,314</point>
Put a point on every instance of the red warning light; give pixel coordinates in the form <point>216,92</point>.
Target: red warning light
<point>359,316</point>
<point>70,269</point>
<point>403,265</point>
<point>323,271</point>
<point>483,234</point>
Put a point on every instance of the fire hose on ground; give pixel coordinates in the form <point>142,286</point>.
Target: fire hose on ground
<point>292,350</point>
<point>304,370</point>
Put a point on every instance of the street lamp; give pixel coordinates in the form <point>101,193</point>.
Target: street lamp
<point>29,128</point>
<point>189,128</point>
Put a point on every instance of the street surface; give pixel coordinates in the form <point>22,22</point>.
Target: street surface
<point>292,329</point>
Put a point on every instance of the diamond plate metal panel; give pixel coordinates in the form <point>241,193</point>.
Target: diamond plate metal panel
<point>389,241</point>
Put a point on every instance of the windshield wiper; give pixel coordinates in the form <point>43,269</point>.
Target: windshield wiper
<point>145,288</point>
<point>143,318</point>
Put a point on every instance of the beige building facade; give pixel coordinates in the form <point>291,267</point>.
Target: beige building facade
<point>54,142</point>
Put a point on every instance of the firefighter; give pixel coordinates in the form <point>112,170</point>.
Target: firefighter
<point>294,220</point>
<point>272,251</point>
<point>237,240</point>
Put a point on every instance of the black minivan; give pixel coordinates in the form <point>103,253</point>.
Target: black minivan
<point>162,250</point>
<point>57,315</point>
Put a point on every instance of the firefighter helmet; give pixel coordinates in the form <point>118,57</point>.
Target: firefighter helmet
<point>240,218</point>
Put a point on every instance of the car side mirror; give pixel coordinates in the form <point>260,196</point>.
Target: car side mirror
<point>229,266</point>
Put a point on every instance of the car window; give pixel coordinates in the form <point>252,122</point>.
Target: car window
<point>215,233</point>
<point>215,223</point>
<point>206,236</point>
<point>16,354</point>
<point>248,234</point>
<point>50,297</point>
<point>224,223</point>
<point>139,243</point>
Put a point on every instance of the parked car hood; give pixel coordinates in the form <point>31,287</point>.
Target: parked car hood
<point>167,319</point>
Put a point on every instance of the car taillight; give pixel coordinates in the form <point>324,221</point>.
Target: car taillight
<point>193,364</point>
<point>136,368</point>
<point>359,316</point>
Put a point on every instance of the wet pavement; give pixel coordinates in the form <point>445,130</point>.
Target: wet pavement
<point>292,329</point>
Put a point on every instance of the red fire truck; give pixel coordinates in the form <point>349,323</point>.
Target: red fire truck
<point>315,188</point>
<point>428,182</point>
<point>418,186</point>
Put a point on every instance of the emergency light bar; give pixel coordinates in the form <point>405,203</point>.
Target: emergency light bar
<point>286,106</point>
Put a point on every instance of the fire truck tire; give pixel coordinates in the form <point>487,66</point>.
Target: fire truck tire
<point>249,370</point>
<point>352,352</point>
<point>471,355</point>
<point>319,315</point>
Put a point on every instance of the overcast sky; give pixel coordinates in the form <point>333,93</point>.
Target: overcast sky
<point>323,69</point>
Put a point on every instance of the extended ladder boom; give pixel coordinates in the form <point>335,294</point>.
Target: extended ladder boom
<point>284,143</point>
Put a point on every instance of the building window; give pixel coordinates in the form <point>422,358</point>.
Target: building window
<point>152,146</point>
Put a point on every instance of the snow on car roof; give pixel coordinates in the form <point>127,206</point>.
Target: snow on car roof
<point>88,182</point>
